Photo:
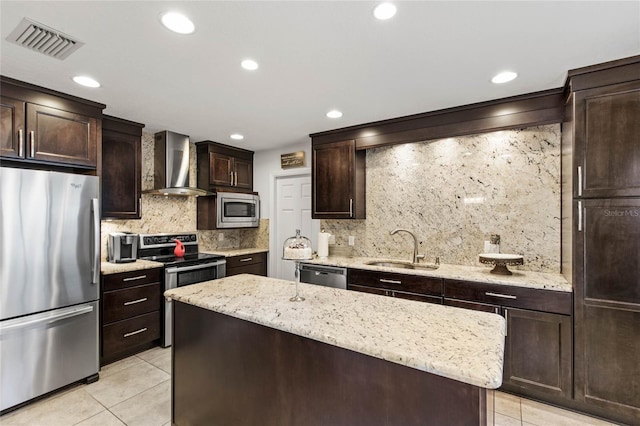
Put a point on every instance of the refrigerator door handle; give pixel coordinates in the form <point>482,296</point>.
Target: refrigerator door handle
<point>95,211</point>
<point>48,319</point>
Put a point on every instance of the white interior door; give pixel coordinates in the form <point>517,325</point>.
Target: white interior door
<point>292,210</point>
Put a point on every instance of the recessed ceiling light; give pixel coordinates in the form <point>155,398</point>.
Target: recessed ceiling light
<point>384,11</point>
<point>237,136</point>
<point>504,77</point>
<point>249,64</point>
<point>178,23</point>
<point>86,81</point>
<point>334,113</point>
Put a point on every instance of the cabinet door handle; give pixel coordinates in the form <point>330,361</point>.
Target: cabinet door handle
<point>497,310</point>
<point>133,302</point>
<point>33,143</point>
<point>246,260</point>
<point>236,178</point>
<point>579,216</point>
<point>135,278</point>
<point>579,181</point>
<point>503,296</point>
<point>20,143</point>
<point>384,280</point>
<point>506,321</point>
<point>133,333</point>
<point>350,207</point>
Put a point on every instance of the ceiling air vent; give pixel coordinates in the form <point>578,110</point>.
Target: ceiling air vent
<point>43,39</point>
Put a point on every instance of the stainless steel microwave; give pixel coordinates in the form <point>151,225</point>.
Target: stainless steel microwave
<point>237,210</point>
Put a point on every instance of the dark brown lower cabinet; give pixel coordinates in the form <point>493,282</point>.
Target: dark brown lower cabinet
<point>538,353</point>
<point>393,293</point>
<point>403,286</point>
<point>538,359</point>
<point>254,263</point>
<point>130,314</point>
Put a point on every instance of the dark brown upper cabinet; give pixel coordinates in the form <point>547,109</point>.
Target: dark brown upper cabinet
<point>338,181</point>
<point>43,126</point>
<point>223,167</point>
<point>121,168</point>
<point>603,111</point>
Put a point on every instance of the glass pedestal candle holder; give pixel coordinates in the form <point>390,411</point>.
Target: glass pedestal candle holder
<point>296,249</point>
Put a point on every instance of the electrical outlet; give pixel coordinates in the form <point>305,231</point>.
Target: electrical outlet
<point>352,240</point>
<point>220,236</point>
<point>332,239</point>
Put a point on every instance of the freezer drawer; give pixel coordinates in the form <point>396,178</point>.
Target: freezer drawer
<point>43,352</point>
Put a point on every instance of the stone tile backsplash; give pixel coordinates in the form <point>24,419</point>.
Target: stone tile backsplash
<point>454,193</point>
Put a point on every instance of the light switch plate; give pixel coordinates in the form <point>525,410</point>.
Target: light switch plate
<point>352,240</point>
<point>220,236</point>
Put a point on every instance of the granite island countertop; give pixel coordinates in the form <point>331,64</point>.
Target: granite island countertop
<point>537,280</point>
<point>459,344</point>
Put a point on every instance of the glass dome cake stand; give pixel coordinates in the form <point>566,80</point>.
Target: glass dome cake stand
<point>296,249</point>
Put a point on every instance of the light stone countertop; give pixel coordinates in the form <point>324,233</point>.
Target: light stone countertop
<point>107,268</point>
<point>236,252</point>
<point>460,344</point>
<point>536,280</point>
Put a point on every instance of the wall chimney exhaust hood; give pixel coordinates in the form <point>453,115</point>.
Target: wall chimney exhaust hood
<point>171,166</point>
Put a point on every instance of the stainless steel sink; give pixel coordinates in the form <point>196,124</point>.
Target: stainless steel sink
<point>402,265</point>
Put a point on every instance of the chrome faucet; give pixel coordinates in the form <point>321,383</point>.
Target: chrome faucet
<point>416,256</point>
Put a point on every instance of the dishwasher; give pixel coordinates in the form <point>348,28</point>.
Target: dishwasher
<point>328,276</point>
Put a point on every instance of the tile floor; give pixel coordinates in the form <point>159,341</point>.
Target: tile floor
<point>137,391</point>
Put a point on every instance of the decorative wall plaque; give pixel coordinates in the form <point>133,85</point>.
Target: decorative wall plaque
<point>292,159</point>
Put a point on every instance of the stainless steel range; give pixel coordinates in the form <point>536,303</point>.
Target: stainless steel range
<point>193,267</point>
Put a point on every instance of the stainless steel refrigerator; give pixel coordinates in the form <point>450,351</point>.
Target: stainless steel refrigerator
<point>49,282</point>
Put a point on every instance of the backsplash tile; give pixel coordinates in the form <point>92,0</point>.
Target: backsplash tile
<point>453,193</point>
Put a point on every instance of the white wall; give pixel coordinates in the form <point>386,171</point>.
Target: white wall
<point>267,162</point>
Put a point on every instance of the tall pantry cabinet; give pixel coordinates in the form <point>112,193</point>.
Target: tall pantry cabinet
<point>601,234</point>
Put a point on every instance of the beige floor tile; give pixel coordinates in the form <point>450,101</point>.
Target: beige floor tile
<point>508,405</point>
<point>105,418</point>
<point>162,361</point>
<point>126,383</point>
<point>153,353</point>
<point>64,410</point>
<point>149,408</point>
<point>114,367</point>
<point>544,415</point>
<point>502,420</point>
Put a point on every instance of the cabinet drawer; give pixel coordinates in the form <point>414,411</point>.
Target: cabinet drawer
<point>130,302</point>
<point>123,335</point>
<point>558,302</point>
<point>365,289</point>
<point>393,281</point>
<point>249,259</point>
<point>494,309</point>
<point>131,279</point>
<point>255,269</point>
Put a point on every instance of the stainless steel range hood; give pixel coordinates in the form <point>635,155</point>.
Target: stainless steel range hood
<point>171,166</point>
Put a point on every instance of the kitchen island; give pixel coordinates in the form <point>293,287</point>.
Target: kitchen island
<point>244,354</point>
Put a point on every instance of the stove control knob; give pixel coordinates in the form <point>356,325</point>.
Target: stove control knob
<point>193,237</point>
<point>156,240</point>
<point>147,240</point>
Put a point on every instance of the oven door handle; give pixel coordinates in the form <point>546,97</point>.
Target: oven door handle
<point>176,269</point>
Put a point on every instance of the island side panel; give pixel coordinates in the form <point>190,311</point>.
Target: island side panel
<point>228,371</point>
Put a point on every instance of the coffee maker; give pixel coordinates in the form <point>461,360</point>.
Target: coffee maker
<point>122,247</point>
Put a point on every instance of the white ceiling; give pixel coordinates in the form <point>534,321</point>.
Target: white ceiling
<point>313,56</point>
